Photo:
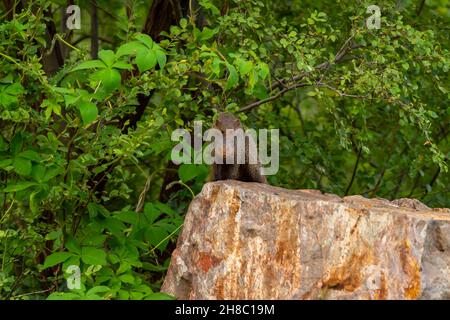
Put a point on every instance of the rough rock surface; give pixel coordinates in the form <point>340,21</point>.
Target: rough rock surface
<point>254,241</point>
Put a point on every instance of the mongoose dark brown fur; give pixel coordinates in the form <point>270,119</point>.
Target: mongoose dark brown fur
<point>244,172</point>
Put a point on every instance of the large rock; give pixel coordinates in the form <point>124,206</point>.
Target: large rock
<point>254,241</point>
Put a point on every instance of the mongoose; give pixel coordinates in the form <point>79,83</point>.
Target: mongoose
<point>249,172</point>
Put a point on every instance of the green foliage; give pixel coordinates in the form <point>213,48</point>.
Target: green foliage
<point>82,166</point>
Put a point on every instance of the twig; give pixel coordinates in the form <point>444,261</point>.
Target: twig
<point>65,42</point>
<point>420,8</point>
<point>166,238</point>
<point>355,168</point>
<point>31,293</point>
<point>7,211</point>
<point>323,66</point>
<point>433,180</point>
<point>94,30</point>
<point>274,97</point>
<point>141,200</point>
<point>341,94</point>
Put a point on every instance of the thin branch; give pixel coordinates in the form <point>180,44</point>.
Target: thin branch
<point>420,8</point>
<point>274,97</point>
<point>87,36</point>
<point>433,180</point>
<point>415,183</point>
<point>94,3</point>
<point>165,239</point>
<point>323,66</point>
<point>94,30</point>
<point>355,169</point>
<point>6,212</point>
<point>341,94</point>
<point>53,59</point>
<point>31,293</point>
<point>299,112</point>
<point>141,201</point>
<point>295,86</point>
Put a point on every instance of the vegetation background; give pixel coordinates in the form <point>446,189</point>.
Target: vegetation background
<point>86,117</point>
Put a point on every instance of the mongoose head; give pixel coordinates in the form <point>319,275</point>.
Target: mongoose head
<point>226,122</point>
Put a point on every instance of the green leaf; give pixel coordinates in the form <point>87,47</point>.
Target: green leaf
<point>161,57</point>
<point>110,79</point>
<point>56,234</point>
<point>7,100</point>
<point>183,23</point>
<point>151,212</point>
<point>146,60</point>
<point>14,89</point>
<point>64,296</point>
<point>3,144</point>
<point>187,172</point>
<point>207,33</point>
<point>52,172</point>
<point>9,93</point>
<point>92,209</point>
<point>146,40</point>
<point>38,172</point>
<point>19,186</point>
<point>50,107</point>
<point>16,143</point>
<point>124,267</point>
<point>260,91</point>
<point>71,99</point>
<point>22,166</point>
<point>93,256</point>
<point>115,226</point>
<point>30,154</point>
<point>129,49</point>
<point>73,246</point>
<point>160,296</point>
<point>5,163</point>
<point>34,201</point>
<point>107,56</point>
<point>155,235</point>
<point>94,240</point>
<point>97,289</point>
<point>208,5</point>
<point>91,64</point>
<point>165,208</point>
<point>151,267</point>
<point>56,258</point>
<point>127,278</point>
<point>215,66</point>
<point>244,66</point>
<point>88,111</point>
<point>263,70</point>
<point>122,65</point>
<point>233,77</point>
<point>127,216</point>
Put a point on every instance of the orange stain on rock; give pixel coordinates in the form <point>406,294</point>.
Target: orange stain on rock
<point>412,270</point>
<point>348,276</point>
<point>381,294</point>
<point>206,261</point>
<point>219,289</point>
